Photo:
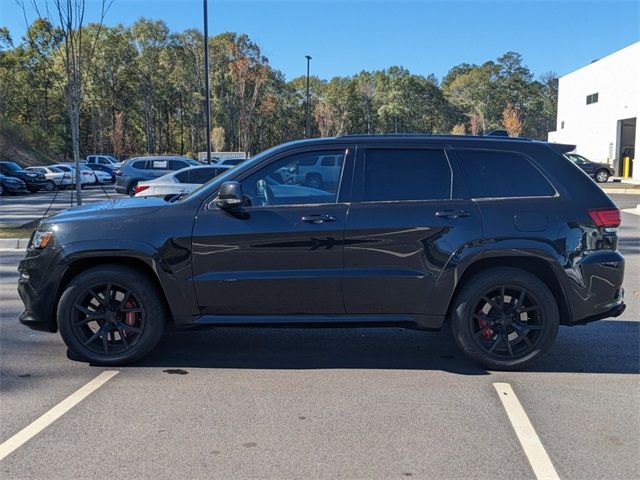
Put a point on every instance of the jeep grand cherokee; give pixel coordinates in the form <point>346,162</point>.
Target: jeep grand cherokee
<point>503,239</point>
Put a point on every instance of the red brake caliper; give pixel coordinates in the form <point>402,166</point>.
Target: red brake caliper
<point>487,332</point>
<point>130,317</point>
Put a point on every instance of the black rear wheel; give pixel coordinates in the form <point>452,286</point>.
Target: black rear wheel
<point>111,315</point>
<point>504,318</point>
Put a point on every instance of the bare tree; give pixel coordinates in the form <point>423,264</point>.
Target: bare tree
<point>68,17</point>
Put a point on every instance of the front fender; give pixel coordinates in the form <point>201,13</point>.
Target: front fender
<point>170,265</point>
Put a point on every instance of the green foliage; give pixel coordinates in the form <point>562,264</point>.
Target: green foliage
<point>143,91</point>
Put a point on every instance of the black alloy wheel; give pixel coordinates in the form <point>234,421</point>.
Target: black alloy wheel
<point>108,319</point>
<point>504,318</point>
<point>111,315</point>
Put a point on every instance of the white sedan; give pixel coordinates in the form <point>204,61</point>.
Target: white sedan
<point>184,180</point>
<point>56,178</point>
<point>87,177</point>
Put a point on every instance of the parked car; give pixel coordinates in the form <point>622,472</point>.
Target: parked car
<point>101,176</point>
<point>54,177</point>
<point>11,185</point>
<point>229,162</point>
<point>140,169</point>
<point>419,232</point>
<point>34,180</point>
<point>103,168</point>
<point>179,182</point>
<point>600,172</point>
<point>87,176</point>
<point>104,160</point>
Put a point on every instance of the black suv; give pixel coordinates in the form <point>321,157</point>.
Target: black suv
<point>419,231</point>
<point>34,180</point>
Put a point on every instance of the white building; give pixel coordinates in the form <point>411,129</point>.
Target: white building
<point>598,108</point>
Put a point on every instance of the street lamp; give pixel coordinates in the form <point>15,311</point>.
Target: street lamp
<point>307,129</point>
<point>207,106</point>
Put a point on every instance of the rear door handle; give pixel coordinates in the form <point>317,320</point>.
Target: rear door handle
<point>316,218</point>
<point>452,214</point>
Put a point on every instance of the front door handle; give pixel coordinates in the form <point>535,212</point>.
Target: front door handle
<point>316,218</point>
<point>452,214</point>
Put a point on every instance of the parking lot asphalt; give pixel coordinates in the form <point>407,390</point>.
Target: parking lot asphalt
<point>321,403</point>
<point>21,209</point>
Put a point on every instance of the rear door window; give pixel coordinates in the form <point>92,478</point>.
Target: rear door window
<point>496,174</point>
<point>406,174</point>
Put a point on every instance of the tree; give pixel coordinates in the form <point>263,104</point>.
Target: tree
<point>217,139</point>
<point>69,15</point>
<point>511,120</point>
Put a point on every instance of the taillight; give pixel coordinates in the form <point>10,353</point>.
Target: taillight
<point>86,174</point>
<point>140,188</point>
<point>605,217</point>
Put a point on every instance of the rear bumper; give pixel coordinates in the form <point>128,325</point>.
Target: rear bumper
<point>614,312</point>
<point>594,288</point>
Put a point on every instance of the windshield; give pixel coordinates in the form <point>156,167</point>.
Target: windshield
<point>13,167</point>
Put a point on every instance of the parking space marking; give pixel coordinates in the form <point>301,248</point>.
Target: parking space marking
<point>634,211</point>
<point>533,449</point>
<point>31,430</point>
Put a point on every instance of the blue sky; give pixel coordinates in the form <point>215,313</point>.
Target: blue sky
<point>345,37</point>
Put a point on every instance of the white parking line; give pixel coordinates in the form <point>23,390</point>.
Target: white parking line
<point>533,449</point>
<point>55,413</point>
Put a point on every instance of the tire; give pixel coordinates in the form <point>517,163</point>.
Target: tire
<point>33,189</point>
<point>2,191</point>
<point>117,329</point>
<point>602,176</point>
<point>502,338</point>
<point>314,180</point>
<point>49,186</point>
<point>132,189</point>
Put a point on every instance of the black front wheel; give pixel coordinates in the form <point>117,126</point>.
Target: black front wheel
<point>111,315</point>
<point>505,318</point>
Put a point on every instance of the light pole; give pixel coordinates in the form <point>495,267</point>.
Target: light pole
<point>207,104</point>
<point>307,129</point>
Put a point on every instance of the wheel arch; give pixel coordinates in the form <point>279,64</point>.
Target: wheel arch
<point>537,266</point>
<point>78,265</point>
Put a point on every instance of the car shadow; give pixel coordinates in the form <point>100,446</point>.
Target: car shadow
<point>602,347</point>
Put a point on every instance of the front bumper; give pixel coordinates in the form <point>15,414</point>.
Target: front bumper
<point>15,188</point>
<point>38,282</point>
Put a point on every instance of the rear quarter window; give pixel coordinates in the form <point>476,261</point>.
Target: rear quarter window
<point>496,174</point>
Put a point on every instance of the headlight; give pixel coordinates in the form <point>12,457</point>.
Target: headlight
<point>41,239</point>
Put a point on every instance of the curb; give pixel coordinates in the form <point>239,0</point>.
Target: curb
<point>13,243</point>
<point>626,191</point>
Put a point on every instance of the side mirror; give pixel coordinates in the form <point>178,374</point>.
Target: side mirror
<point>230,196</point>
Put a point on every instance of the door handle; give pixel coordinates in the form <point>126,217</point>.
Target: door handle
<point>316,218</point>
<point>452,214</point>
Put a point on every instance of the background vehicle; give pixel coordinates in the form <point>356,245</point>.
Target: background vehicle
<point>103,168</point>
<point>104,160</point>
<point>86,175</point>
<point>34,180</point>
<point>417,233</point>
<point>181,181</point>
<point>140,169</point>
<point>11,185</point>
<point>101,176</point>
<point>229,162</point>
<point>600,172</point>
<point>55,177</point>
